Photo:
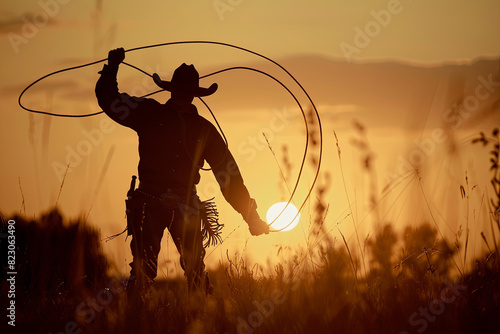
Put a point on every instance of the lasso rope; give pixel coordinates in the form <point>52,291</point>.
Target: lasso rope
<point>220,129</point>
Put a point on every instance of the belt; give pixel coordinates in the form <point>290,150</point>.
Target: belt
<point>155,189</point>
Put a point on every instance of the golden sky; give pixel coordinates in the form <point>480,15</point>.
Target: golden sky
<point>40,36</point>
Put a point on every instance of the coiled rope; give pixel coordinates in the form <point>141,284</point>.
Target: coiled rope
<point>220,129</point>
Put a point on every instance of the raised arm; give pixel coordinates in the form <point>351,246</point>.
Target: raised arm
<point>120,107</point>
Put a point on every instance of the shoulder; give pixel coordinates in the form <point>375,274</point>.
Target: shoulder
<point>207,126</point>
<point>204,122</point>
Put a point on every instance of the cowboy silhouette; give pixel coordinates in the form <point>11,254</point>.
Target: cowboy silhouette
<point>174,141</point>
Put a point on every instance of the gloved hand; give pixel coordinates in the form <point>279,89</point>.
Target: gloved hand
<point>256,225</point>
<point>116,56</point>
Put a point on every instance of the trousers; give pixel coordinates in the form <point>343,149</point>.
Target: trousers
<point>147,218</point>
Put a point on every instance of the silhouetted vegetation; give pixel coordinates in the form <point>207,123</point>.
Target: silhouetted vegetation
<point>413,284</point>
<point>62,279</point>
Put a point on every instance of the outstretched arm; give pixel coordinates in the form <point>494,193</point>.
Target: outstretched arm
<point>228,176</point>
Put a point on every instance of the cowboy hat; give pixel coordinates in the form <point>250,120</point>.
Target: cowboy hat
<point>187,79</point>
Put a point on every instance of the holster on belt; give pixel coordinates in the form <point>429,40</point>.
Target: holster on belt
<point>134,208</point>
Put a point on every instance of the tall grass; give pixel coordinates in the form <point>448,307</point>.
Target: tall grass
<point>61,268</point>
<point>409,285</point>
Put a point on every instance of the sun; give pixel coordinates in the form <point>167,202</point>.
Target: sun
<point>283,220</point>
